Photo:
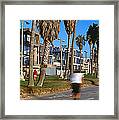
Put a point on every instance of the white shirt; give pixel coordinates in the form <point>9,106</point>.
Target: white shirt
<point>76,77</point>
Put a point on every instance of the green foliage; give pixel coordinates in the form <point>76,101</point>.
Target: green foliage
<point>69,26</point>
<point>90,76</point>
<point>80,41</point>
<point>93,34</point>
<point>48,29</point>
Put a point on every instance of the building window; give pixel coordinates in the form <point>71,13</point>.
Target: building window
<point>74,60</point>
<point>78,53</point>
<point>63,62</point>
<point>51,51</point>
<point>81,61</point>
<point>28,38</point>
<point>77,61</point>
<point>26,60</point>
<point>50,60</point>
<point>75,67</point>
<point>78,67</point>
<point>26,50</point>
<point>74,53</point>
<point>63,56</point>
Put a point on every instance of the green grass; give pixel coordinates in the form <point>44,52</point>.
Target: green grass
<point>52,77</point>
<point>55,81</point>
<point>49,82</point>
<point>90,76</point>
<point>54,84</point>
<point>56,77</point>
<point>23,83</point>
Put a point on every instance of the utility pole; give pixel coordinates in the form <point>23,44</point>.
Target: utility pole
<point>61,73</point>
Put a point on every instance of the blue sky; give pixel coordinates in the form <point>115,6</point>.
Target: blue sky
<point>81,28</point>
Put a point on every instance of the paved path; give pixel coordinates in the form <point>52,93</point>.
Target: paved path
<point>91,93</point>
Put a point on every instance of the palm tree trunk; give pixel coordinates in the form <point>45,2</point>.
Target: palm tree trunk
<point>44,63</point>
<point>97,71</point>
<point>31,80</point>
<point>91,58</point>
<point>72,52</point>
<point>92,61</point>
<point>67,60</point>
<point>80,61</point>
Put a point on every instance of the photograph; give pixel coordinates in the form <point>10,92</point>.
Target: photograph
<point>59,59</point>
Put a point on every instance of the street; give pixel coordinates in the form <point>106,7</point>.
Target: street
<point>90,93</point>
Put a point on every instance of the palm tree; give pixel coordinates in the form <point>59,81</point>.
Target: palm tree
<point>49,30</point>
<point>69,26</point>
<point>72,52</point>
<point>31,80</point>
<point>90,42</point>
<point>93,39</point>
<point>80,41</point>
<point>97,50</point>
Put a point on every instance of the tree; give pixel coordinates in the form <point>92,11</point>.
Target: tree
<point>93,40</point>
<point>72,52</point>
<point>80,41</point>
<point>97,50</point>
<point>49,30</point>
<point>31,80</point>
<point>69,27</point>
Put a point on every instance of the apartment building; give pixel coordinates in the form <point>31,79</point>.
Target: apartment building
<point>78,62</point>
<point>54,60</point>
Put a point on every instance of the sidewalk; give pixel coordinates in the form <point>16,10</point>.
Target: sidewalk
<point>89,93</point>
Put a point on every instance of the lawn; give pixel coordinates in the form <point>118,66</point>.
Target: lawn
<point>49,82</point>
<point>56,82</point>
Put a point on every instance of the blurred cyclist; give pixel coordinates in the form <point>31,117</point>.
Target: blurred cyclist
<point>76,81</point>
